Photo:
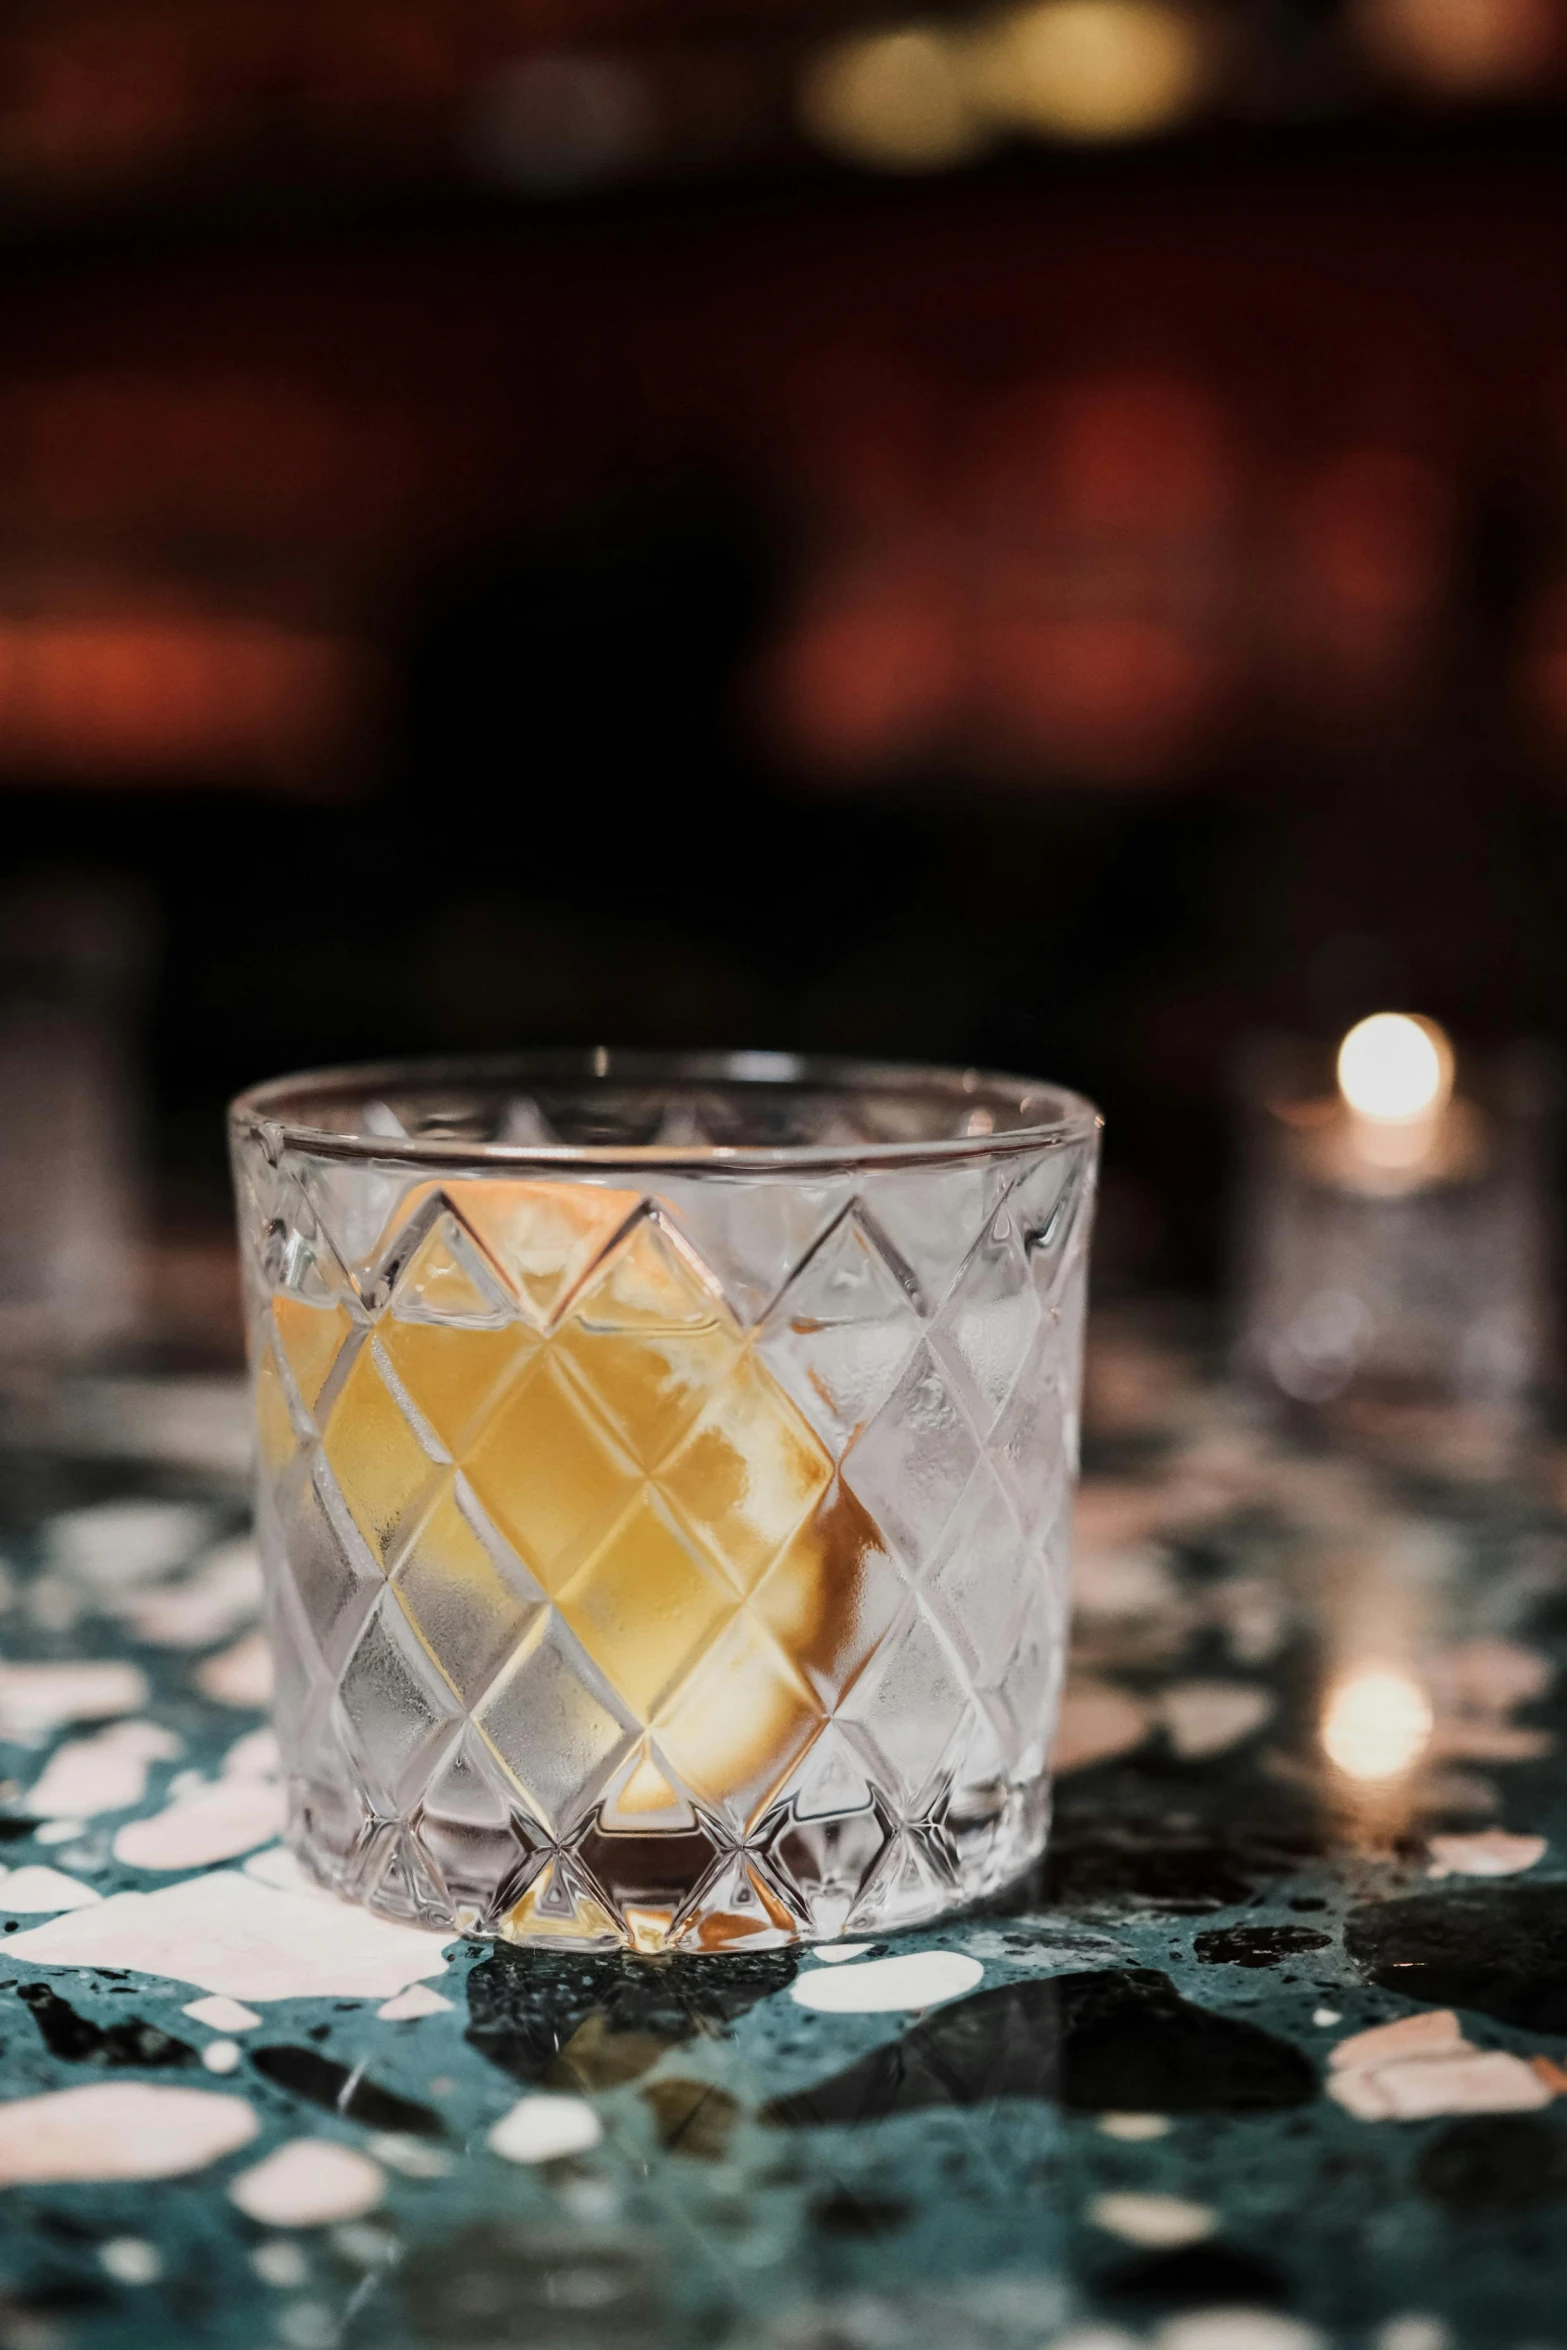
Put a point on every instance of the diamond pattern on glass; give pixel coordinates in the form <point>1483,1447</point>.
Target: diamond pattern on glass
<point>334,1575</point>
<point>542,1238</point>
<point>976,1585</point>
<point>1024,1704</point>
<point>397,1705</point>
<point>547,1471</point>
<point>453,1377</point>
<point>309,1335</point>
<point>988,1321</point>
<point>468,1613</point>
<point>356,1208</point>
<point>649,1341</point>
<point>480,1842</point>
<point>644,1605</point>
<point>842,1330</point>
<point>753,1236</point>
<point>738,1721</point>
<point>443,1278</point>
<point>931,1216</point>
<point>277,1438</point>
<point>748,1472</point>
<point>667,1571</point>
<point>906,1706</point>
<point>1051,1204</point>
<point>297,1256</point>
<point>553,1724</point>
<point>379,1465</point>
<point>831,1594</point>
<point>1034,1444</point>
<point>913,1462</point>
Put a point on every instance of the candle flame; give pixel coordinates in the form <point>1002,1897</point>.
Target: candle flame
<point>1376,1724</point>
<point>1395,1067</point>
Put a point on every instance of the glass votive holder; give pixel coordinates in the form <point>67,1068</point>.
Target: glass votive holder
<point>1393,1241</point>
<point>665,1474</point>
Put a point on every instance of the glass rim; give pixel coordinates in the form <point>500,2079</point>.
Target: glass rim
<point>274,1112</point>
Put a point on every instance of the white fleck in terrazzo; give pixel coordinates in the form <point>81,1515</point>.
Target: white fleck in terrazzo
<point>1491,1853</point>
<point>1253,1615</point>
<point>1135,2129</point>
<point>1488,1738</point>
<point>309,2183</point>
<point>35,1699</point>
<point>416,2158</point>
<point>218,1600</point>
<point>883,1986</point>
<point>1489,1675</point>
<point>106,1772</point>
<point>222,2056</point>
<point>1236,2329</point>
<point>220,2014</point>
<point>119,2130</point>
<point>1433,2031</point>
<point>239,1676</point>
<point>309,2325</point>
<point>1208,1717</point>
<point>116,1546</point>
<point>55,1604</point>
<point>1097,1722</point>
<point>229,1932</point>
<point>253,1756</point>
<point>409,2005</point>
<point>835,1954</point>
<point>280,2262</point>
<point>1414,2332</point>
<point>1123,1582</point>
<point>131,2260</point>
<point>1160,2222</point>
<point>543,2128</point>
<point>278,1866</point>
<point>1422,2065</point>
<point>210,1824</point>
<point>33,1888</point>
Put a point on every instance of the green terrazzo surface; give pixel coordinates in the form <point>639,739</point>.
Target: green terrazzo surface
<point>785,2180</point>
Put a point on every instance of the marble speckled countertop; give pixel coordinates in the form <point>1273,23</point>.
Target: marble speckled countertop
<point>1135,2103</point>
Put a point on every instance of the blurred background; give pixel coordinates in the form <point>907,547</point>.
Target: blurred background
<point>1032,536</point>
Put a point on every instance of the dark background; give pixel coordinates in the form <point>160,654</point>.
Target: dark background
<point>465,582</point>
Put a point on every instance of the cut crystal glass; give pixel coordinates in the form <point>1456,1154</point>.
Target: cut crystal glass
<point>664,1479</point>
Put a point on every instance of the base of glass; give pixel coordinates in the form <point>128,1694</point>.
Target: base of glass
<point>798,1881</point>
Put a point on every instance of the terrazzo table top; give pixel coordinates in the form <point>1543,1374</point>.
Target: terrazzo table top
<point>1273,2055</point>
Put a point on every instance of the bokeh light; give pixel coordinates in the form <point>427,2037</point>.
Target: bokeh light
<point>1376,1725</point>
<point>1395,1066</point>
<point>1093,69</point>
<point>896,101</point>
<point>1461,48</point>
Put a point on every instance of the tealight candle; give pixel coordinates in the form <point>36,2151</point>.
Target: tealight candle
<point>1394,1123</point>
<point>1392,1242</point>
<point>1395,1079</point>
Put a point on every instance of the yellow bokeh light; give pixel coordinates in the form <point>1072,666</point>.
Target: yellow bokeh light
<point>1092,69</point>
<point>896,101</point>
<point>1376,1724</point>
<point>1396,1067</point>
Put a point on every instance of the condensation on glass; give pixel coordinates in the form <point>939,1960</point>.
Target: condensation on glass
<point>665,1472</point>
